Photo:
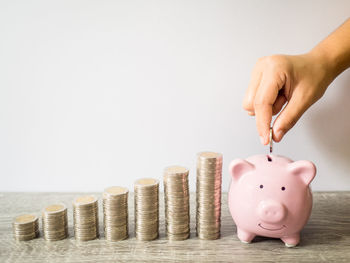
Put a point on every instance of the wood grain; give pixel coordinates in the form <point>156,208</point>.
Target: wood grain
<point>326,237</point>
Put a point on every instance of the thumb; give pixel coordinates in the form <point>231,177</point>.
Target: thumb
<point>289,115</point>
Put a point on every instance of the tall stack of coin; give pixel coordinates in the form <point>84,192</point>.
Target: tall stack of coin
<point>54,219</point>
<point>25,227</point>
<point>177,207</point>
<point>85,215</point>
<point>146,197</point>
<point>208,214</point>
<point>115,211</point>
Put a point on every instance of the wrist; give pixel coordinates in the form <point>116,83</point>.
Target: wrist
<point>325,64</point>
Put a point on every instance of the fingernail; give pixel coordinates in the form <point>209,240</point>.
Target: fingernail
<point>262,140</point>
<point>279,135</point>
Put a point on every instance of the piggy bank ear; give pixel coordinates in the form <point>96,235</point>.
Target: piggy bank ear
<point>239,167</point>
<point>305,169</point>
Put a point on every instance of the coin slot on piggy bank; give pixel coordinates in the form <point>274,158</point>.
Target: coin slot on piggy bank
<point>270,196</point>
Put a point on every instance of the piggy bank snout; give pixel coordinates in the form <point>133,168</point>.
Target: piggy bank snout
<point>271,211</point>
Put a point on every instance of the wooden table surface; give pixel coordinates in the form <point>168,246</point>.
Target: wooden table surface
<point>326,237</point>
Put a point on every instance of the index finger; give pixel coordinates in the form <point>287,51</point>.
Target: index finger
<point>264,99</point>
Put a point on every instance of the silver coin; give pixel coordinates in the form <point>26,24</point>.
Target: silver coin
<point>176,198</point>
<point>271,141</point>
<point>85,217</point>
<point>25,227</point>
<point>115,213</point>
<point>208,195</point>
<point>146,209</point>
<point>55,222</point>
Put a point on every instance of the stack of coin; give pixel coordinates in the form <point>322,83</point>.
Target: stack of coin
<point>85,215</point>
<point>115,211</point>
<point>146,197</point>
<point>25,227</point>
<point>54,219</point>
<point>208,195</point>
<point>177,207</point>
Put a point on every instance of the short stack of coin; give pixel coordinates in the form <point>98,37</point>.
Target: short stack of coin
<point>54,219</point>
<point>208,195</point>
<point>85,215</point>
<point>177,207</point>
<point>25,227</point>
<point>146,198</point>
<point>115,211</point>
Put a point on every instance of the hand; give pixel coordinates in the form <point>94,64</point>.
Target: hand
<point>297,81</point>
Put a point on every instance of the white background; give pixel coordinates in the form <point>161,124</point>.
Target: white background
<point>100,93</point>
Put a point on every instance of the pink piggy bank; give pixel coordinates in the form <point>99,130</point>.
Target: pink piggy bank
<point>270,196</point>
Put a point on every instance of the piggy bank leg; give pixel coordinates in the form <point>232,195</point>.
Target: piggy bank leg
<point>291,241</point>
<point>244,236</point>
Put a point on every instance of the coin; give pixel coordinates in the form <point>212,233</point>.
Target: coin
<point>271,141</point>
<point>85,215</point>
<point>25,227</point>
<point>208,195</point>
<point>115,213</point>
<point>146,199</point>
<point>55,222</point>
<point>176,198</point>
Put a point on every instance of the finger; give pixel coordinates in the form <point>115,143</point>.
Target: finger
<point>263,117</point>
<point>248,101</point>
<point>289,116</point>
<point>264,100</point>
<point>277,106</point>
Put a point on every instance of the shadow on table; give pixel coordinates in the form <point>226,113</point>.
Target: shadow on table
<point>329,222</point>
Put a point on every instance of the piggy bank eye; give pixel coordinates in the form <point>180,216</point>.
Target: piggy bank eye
<point>261,186</point>
<point>283,188</point>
